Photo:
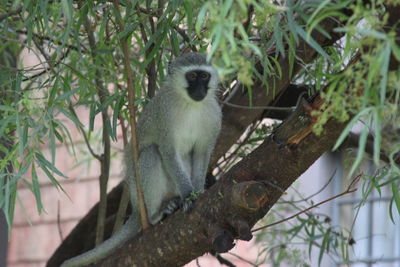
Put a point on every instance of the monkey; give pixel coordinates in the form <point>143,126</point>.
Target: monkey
<point>177,132</point>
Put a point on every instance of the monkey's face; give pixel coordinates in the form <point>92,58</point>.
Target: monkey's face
<point>197,84</point>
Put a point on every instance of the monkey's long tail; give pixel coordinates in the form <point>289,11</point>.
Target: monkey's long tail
<point>128,230</point>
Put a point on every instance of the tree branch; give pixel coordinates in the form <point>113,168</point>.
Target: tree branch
<point>234,204</point>
<point>134,147</point>
<point>105,157</point>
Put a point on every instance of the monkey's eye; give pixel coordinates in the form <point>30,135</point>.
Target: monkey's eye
<point>204,76</point>
<point>191,76</point>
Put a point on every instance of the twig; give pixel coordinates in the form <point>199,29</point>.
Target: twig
<point>304,199</point>
<point>49,39</point>
<point>105,157</point>
<point>223,261</point>
<point>131,106</point>
<point>96,156</point>
<point>47,69</point>
<point>350,189</point>
<point>59,221</point>
<point>243,259</point>
<point>185,37</point>
<point>247,23</point>
<point>123,203</point>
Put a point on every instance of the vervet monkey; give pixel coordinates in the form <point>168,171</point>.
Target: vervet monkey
<point>177,132</point>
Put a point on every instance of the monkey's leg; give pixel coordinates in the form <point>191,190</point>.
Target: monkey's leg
<point>157,187</point>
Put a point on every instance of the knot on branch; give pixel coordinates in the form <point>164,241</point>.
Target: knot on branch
<point>249,195</point>
<point>221,239</point>
<point>242,229</point>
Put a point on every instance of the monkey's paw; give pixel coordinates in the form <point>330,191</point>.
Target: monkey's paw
<point>188,205</point>
<point>171,206</point>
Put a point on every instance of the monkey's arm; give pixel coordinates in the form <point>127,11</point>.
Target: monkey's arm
<point>174,167</point>
<point>200,159</point>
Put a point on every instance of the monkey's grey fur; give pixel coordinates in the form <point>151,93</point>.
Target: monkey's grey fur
<point>177,132</point>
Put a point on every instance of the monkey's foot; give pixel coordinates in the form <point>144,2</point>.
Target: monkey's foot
<point>188,204</point>
<point>170,206</point>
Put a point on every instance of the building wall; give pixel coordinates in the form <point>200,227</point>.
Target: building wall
<point>34,237</point>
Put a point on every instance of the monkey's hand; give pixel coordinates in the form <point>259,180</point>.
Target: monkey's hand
<point>170,206</point>
<point>188,202</point>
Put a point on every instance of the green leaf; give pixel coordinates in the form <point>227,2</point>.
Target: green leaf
<point>200,19</point>
<point>7,108</point>
<point>361,149</point>
<point>395,49</point>
<point>71,116</point>
<point>324,245</point>
<point>67,94</point>
<point>20,134</point>
<point>349,126</point>
<point>67,9</point>
<point>36,190</point>
<point>311,42</point>
<point>384,72</point>
<point>174,42</point>
<point>396,195</point>
<point>44,162</point>
<point>117,110</point>
<point>187,5</point>
<point>377,128</point>
<point>128,30</point>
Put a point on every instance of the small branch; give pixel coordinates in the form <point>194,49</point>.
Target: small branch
<point>243,259</point>
<point>223,261</point>
<point>49,39</point>
<point>47,69</point>
<point>59,221</point>
<point>247,23</point>
<point>185,37</point>
<point>124,202</point>
<point>350,189</point>
<point>105,157</point>
<point>96,156</point>
<point>131,106</point>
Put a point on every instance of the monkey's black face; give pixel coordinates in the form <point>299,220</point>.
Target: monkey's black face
<point>197,84</point>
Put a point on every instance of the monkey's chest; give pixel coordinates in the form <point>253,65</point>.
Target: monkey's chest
<point>192,129</point>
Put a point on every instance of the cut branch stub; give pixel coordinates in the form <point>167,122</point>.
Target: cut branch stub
<point>242,229</point>
<point>249,195</point>
<point>221,239</point>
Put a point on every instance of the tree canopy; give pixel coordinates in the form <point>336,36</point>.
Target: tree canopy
<point>320,66</point>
